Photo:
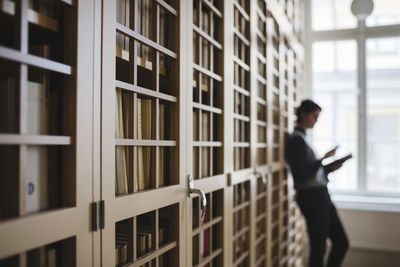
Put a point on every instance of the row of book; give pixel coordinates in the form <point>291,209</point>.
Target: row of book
<point>241,194</point>
<point>241,158</point>
<point>240,22</point>
<point>240,246</point>
<point>144,241</point>
<point>44,14</point>
<point>241,131</point>
<point>207,26</point>
<point>205,126</point>
<point>144,27</point>
<point>240,219</point>
<point>43,257</point>
<point>42,116</point>
<point>205,92</point>
<point>145,171</point>
<point>240,76</point>
<point>205,162</point>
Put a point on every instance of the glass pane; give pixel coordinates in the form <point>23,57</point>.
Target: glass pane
<point>334,89</point>
<point>386,12</point>
<point>332,14</point>
<point>383,116</point>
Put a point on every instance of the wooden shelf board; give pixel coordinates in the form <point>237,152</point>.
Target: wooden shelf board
<point>127,31</point>
<point>27,139</point>
<point>207,72</point>
<point>213,8</point>
<point>144,91</point>
<point>241,10</point>
<point>17,56</point>
<point>206,225</point>
<point>207,144</point>
<point>145,142</point>
<point>209,38</point>
<point>206,260</point>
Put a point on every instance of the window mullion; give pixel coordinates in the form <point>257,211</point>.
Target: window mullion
<point>362,109</point>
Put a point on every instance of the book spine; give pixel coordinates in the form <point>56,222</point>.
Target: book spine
<point>140,167</point>
<point>120,153</point>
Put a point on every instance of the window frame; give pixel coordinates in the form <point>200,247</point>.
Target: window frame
<point>361,34</point>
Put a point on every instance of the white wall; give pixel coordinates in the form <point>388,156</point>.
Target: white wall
<point>374,238</point>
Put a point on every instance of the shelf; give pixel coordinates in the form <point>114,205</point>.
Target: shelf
<point>34,17</point>
<point>17,56</point>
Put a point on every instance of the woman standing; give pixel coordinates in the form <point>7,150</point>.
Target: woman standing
<point>310,181</point>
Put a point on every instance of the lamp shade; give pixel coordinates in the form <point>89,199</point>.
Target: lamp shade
<point>362,8</point>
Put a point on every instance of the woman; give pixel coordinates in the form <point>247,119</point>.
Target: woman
<point>310,181</point>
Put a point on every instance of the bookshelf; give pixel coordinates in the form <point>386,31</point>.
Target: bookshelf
<point>207,95</point>
<point>148,239</point>
<point>241,86</point>
<point>207,231</point>
<point>241,224</point>
<point>261,82</point>
<point>107,109</point>
<point>145,97</point>
<point>44,145</point>
<point>261,223</point>
<point>140,133</point>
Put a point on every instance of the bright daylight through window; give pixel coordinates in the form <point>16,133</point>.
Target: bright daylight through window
<point>356,88</point>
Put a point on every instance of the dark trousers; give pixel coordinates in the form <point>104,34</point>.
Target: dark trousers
<point>322,222</point>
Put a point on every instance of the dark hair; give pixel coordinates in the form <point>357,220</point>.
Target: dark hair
<point>307,106</point>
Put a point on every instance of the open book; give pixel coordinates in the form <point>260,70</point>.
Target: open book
<point>340,160</point>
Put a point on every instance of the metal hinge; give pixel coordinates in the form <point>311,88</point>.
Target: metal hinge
<point>102,214</point>
<point>98,220</point>
<point>94,217</point>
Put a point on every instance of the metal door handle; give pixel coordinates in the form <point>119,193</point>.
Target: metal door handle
<point>259,174</point>
<point>199,192</point>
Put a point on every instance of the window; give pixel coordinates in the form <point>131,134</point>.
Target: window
<point>359,94</point>
<point>334,88</point>
<point>332,15</point>
<point>386,12</point>
<point>383,120</point>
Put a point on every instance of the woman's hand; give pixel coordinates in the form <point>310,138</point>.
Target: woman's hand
<point>330,153</point>
<point>334,166</point>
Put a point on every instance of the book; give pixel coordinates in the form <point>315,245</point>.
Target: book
<point>146,27</point>
<point>236,74</point>
<point>117,262</point>
<point>37,179</point>
<point>121,10</point>
<point>205,126</point>
<point>205,22</point>
<point>205,158</point>
<point>164,28</point>
<point>204,88</point>
<point>339,161</point>
<point>37,156</point>
<point>51,257</point>
<point>36,257</point>
<point>121,177</point>
<point>123,253</point>
<point>163,232</point>
<point>8,98</point>
<point>205,54</point>
<point>161,178</point>
<point>141,243</point>
<point>195,125</point>
<point>140,167</point>
<point>195,163</point>
<point>146,134</point>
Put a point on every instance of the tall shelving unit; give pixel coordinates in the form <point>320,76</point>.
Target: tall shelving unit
<point>140,135</point>
<point>206,238</point>
<point>158,125</point>
<point>45,147</point>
